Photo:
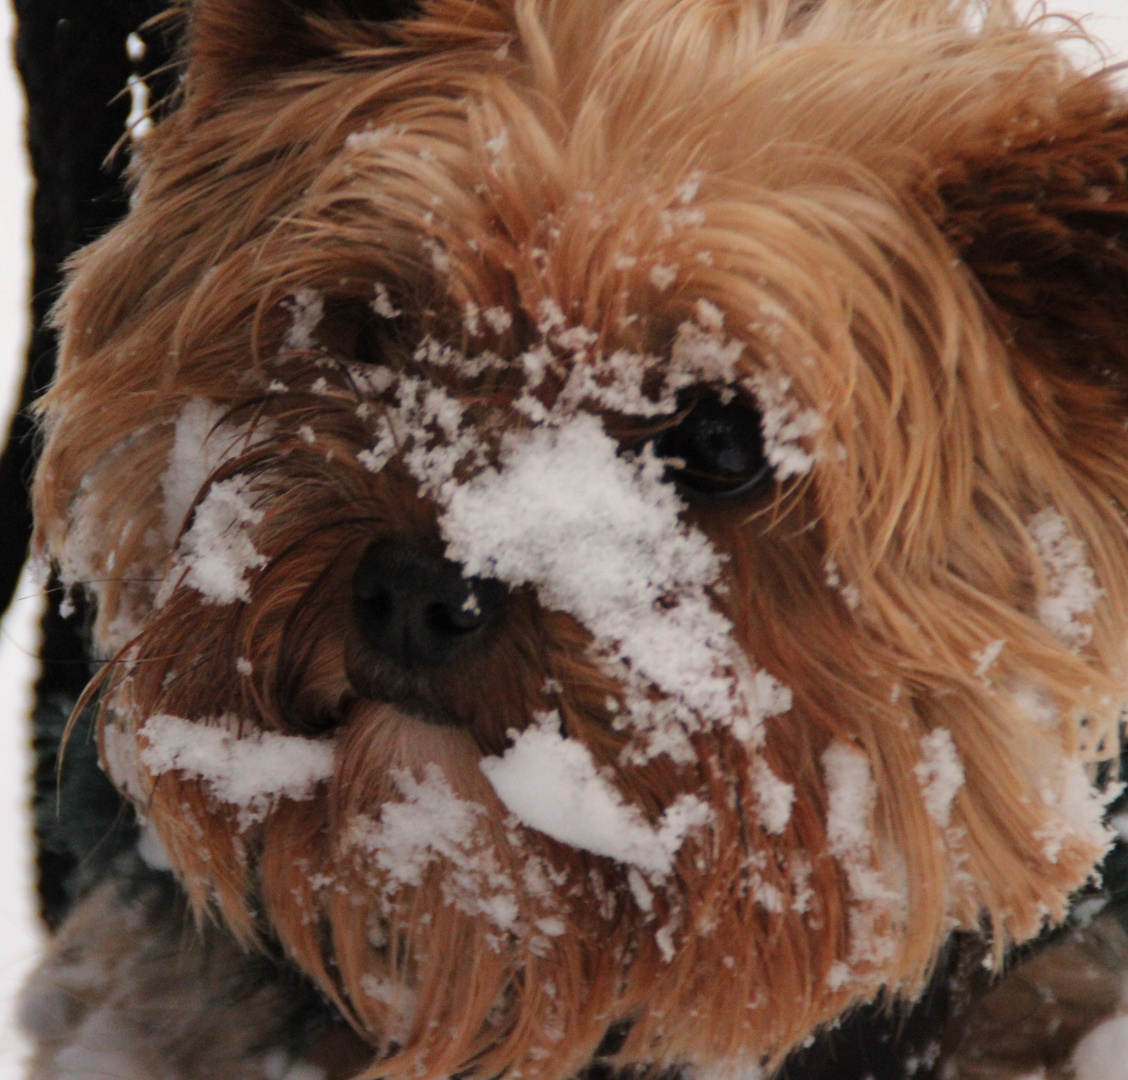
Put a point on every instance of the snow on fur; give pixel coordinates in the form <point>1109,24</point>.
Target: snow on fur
<point>432,825</point>
<point>600,537</point>
<point>1071,588</point>
<point>250,771</point>
<point>552,785</point>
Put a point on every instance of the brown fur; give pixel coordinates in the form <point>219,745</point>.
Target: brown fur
<point>930,215</point>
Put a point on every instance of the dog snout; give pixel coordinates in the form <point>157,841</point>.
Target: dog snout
<point>417,609</point>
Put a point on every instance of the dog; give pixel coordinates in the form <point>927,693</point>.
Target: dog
<point>607,526</point>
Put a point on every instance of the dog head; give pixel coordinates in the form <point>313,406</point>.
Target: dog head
<point>608,516</point>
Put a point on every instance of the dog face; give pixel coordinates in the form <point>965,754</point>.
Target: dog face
<point>609,515</point>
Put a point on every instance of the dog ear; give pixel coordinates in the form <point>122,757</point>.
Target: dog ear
<point>234,42</point>
<point>1039,213</point>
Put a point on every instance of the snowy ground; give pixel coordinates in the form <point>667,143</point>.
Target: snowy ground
<point>19,934</point>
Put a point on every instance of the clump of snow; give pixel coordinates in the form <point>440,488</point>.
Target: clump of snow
<point>1081,810</point>
<point>307,309</point>
<point>1102,1053</point>
<point>251,771</point>
<point>138,123</point>
<point>786,427</point>
<point>401,1000</point>
<point>432,824</point>
<point>774,797</point>
<point>940,773</point>
<point>1071,588</point>
<point>600,537</point>
<point>381,302</point>
<point>370,139</point>
<point>201,443</point>
<point>701,348</point>
<point>851,799</point>
<point>552,785</point>
<point>215,552</point>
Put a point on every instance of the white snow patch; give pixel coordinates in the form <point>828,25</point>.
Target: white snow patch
<point>940,773</point>
<point>433,825</point>
<point>138,123</point>
<point>1071,588</point>
<point>600,537</point>
<point>251,771</point>
<point>785,425</point>
<point>381,302</point>
<point>307,308</point>
<point>401,1000</point>
<point>1081,809</point>
<point>552,785</point>
<point>774,797</point>
<point>852,797</point>
<point>201,443</point>
<point>215,552</point>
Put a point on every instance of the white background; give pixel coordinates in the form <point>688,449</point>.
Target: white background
<point>19,933</point>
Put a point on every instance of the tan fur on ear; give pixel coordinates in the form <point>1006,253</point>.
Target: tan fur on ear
<point>232,44</point>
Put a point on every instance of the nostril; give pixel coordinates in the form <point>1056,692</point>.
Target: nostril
<point>416,608</point>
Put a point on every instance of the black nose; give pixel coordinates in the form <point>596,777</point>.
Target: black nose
<point>416,608</point>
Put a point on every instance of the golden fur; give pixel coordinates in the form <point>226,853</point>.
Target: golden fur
<point>906,210</point>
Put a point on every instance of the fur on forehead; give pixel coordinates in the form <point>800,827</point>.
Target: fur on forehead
<point>901,221</point>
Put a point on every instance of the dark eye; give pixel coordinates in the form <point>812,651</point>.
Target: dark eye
<point>720,442</point>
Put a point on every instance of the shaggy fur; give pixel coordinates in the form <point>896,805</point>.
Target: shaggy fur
<point>890,226</point>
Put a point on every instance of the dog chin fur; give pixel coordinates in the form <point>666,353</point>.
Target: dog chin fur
<point>405,289</point>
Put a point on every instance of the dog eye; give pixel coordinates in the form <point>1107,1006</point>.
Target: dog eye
<point>718,443</point>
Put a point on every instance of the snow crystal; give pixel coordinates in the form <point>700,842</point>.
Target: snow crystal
<point>381,302</point>
<point>215,552</point>
<point>774,797</point>
<point>433,824</point>
<point>251,771</point>
<point>552,785</point>
<point>307,308</point>
<point>986,657</point>
<point>601,538</point>
<point>940,773</point>
<point>1071,588</point>
<point>662,277</point>
<point>785,426</point>
<point>135,48</point>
